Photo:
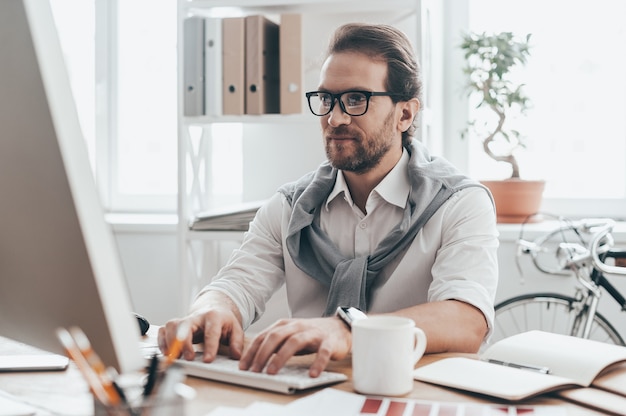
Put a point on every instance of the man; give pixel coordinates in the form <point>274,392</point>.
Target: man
<point>382,226</point>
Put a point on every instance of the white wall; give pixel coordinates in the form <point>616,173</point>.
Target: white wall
<point>149,258</point>
<point>274,154</point>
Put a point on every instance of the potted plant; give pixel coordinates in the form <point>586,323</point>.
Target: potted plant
<point>489,60</point>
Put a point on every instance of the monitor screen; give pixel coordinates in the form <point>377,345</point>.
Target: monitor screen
<point>59,265</point>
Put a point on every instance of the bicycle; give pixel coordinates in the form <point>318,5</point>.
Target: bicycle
<point>582,248</point>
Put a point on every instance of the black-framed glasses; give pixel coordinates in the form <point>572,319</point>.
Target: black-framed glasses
<point>353,102</point>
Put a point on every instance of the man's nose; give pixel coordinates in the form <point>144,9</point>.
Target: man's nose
<point>337,116</point>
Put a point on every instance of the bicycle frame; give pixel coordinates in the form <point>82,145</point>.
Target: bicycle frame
<point>587,262</point>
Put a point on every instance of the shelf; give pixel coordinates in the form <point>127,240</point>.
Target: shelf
<point>214,235</point>
<point>234,8</point>
<point>252,119</point>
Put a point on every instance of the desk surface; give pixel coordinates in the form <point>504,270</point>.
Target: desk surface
<point>66,392</point>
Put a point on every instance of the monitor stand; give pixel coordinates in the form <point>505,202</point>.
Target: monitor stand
<point>33,362</point>
<point>16,356</point>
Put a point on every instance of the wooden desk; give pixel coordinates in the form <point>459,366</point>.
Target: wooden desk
<point>66,392</point>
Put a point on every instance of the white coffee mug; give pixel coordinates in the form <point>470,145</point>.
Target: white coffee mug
<point>385,350</point>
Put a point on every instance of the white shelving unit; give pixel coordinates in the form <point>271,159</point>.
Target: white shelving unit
<point>297,136</point>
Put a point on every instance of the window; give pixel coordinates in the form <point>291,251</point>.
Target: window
<point>121,58</point>
<point>576,128</point>
<point>75,24</point>
<point>137,62</point>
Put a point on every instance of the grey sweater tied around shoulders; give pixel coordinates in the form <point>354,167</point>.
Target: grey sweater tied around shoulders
<point>433,180</point>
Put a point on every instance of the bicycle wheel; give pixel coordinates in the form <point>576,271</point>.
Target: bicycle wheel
<point>550,312</point>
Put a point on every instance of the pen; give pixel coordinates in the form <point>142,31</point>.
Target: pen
<point>152,375</point>
<point>538,369</point>
<point>171,356</point>
<point>113,375</point>
<point>96,364</point>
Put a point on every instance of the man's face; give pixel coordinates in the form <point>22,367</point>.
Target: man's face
<point>358,143</point>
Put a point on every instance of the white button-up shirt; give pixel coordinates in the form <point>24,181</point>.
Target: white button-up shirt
<point>454,256</point>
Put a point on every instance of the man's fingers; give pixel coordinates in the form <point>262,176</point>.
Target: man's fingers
<point>212,338</point>
<point>250,358</point>
<point>166,336</point>
<point>322,359</point>
<point>264,345</point>
<point>291,346</point>
<point>273,347</point>
<point>235,336</point>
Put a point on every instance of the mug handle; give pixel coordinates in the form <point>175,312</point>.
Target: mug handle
<point>420,344</point>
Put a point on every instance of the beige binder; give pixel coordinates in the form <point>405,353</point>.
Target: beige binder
<point>291,94</point>
<point>233,69</point>
<point>262,66</point>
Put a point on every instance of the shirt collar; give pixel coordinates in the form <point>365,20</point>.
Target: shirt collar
<point>394,188</point>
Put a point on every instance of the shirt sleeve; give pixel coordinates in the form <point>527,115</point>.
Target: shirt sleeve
<point>255,270</point>
<point>466,265</point>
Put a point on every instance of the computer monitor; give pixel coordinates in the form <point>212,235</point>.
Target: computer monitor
<point>59,265</point>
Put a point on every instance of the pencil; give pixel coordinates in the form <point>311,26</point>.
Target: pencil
<point>96,364</point>
<point>177,345</point>
<point>95,386</point>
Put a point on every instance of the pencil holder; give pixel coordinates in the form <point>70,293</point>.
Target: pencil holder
<point>173,405</point>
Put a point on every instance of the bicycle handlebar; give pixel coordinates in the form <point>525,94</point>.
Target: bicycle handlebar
<point>597,244</point>
<point>573,255</point>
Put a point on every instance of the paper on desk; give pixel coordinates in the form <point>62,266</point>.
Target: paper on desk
<point>10,407</point>
<point>331,401</point>
<point>256,409</point>
<point>327,401</point>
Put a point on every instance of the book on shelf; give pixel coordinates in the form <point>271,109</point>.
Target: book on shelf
<point>193,66</point>
<point>233,65</point>
<point>230,218</point>
<point>262,66</point>
<point>291,63</point>
<point>530,364</point>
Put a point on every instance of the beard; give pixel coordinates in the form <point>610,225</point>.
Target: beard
<point>360,155</point>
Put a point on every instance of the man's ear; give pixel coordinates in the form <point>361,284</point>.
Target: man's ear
<point>408,111</point>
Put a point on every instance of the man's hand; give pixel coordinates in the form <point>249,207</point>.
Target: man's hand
<point>213,320</point>
<point>270,350</point>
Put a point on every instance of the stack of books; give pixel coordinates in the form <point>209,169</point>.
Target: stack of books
<point>230,218</point>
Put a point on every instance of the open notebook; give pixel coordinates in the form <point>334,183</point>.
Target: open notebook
<point>530,364</point>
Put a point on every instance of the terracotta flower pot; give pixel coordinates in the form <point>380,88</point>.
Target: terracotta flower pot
<point>516,199</point>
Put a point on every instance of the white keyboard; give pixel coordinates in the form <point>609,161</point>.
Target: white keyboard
<point>288,380</point>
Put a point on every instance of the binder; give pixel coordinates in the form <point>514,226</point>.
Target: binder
<point>262,66</point>
<point>213,66</point>
<point>291,63</point>
<point>193,66</point>
<point>233,65</point>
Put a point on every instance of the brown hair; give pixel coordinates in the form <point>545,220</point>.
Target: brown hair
<point>389,44</point>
